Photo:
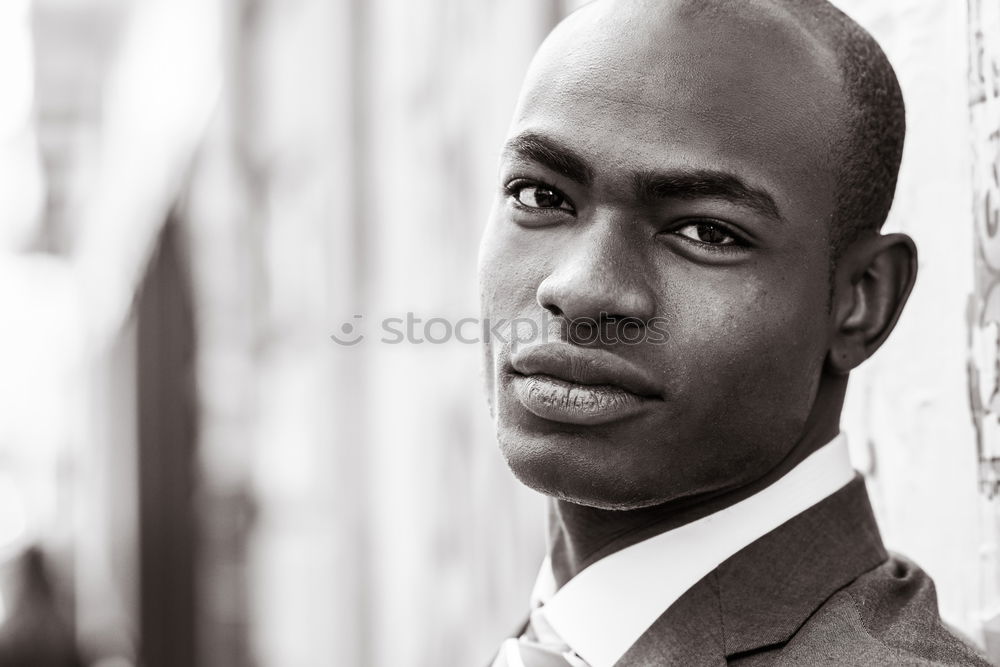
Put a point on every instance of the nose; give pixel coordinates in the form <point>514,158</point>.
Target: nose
<point>598,278</point>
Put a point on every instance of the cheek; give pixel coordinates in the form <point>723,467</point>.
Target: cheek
<point>753,351</point>
<point>508,274</point>
<point>772,310</point>
<point>511,266</point>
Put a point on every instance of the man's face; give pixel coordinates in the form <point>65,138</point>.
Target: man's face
<point>663,207</point>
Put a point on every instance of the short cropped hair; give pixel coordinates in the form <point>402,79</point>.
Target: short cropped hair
<point>868,157</point>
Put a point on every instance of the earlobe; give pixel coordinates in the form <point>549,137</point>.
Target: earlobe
<point>872,282</point>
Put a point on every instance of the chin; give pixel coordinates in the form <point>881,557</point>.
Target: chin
<point>557,466</point>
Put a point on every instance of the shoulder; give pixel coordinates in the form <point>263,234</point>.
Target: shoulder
<point>887,616</point>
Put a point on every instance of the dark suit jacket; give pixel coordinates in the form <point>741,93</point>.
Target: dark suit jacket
<point>818,590</point>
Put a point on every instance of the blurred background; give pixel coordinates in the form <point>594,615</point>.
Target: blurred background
<point>195,194</point>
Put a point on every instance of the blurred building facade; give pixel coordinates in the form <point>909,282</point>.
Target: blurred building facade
<point>221,184</point>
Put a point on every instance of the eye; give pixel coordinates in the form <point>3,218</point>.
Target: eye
<point>708,233</point>
<point>538,196</point>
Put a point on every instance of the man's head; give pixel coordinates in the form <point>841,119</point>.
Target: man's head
<point>679,177</point>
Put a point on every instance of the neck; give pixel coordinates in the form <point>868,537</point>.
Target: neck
<point>580,535</point>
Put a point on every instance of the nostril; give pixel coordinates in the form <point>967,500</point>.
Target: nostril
<point>555,310</point>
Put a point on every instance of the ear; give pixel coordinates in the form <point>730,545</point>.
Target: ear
<point>872,282</point>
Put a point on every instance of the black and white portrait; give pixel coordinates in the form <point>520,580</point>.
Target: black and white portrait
<point>608,333</point>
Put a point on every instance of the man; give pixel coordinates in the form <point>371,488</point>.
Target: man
<point>688,215</point>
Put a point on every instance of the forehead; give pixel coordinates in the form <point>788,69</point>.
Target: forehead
<point>667,84</point>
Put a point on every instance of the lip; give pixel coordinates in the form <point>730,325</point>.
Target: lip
<point>568,384</point>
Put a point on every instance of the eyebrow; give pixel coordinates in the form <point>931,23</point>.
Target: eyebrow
<point>552,154</point>
<point>648,186</point>
<point>704,184</point>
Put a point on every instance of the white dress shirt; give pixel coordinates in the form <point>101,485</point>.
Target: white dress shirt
<point>606,607</point>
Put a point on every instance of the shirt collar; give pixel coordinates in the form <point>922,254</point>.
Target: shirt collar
<point>606,607</point>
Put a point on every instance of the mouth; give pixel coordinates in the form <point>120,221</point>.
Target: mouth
<point>571,385</point>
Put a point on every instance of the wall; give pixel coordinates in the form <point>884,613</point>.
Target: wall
<point>908,414</point>
<point>350,172</point>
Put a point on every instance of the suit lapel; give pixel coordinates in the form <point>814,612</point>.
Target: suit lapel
<point>689,633</point>
<point>764,593</point>
<point>769,589</point>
